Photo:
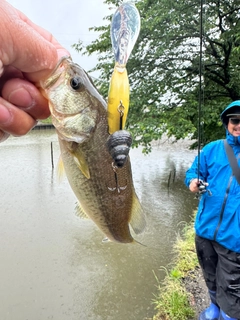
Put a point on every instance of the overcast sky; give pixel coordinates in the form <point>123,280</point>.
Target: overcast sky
<point>68,21</point>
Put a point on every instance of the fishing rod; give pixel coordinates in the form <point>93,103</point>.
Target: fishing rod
<point>202,187</point>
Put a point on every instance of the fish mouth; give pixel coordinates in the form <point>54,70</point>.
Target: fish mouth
<point>56,73</point>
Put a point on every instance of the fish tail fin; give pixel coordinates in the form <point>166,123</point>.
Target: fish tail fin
<point>137,242</point>
<point>138,221</point>
<point>106,240</point>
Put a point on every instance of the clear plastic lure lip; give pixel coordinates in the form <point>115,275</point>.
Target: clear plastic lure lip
<point>55,73</point>
<point>125,29</point>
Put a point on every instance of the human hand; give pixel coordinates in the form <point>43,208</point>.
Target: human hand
<point>28,54</point>
<point>194,185</point>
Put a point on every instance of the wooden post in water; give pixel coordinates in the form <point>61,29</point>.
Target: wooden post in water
<point>52,155</point>
<point>174,175</point>
<point>169,179</point>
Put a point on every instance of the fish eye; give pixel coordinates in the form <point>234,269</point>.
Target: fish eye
<point>75,83</point>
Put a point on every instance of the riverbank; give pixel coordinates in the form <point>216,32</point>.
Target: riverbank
<point>198,293</point>
<point>43,125</point>
<point>183,293</point>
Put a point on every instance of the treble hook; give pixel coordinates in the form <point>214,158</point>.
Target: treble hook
<point>118,187</point>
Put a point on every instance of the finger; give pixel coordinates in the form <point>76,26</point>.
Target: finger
<point>46,35</point>
<point>38,47</point>
<point>194,186</point>
<point>36,52</point>
<point>9,73</point>
<point>14,120</point>
<point>3,136</point>
<point>27,97</point>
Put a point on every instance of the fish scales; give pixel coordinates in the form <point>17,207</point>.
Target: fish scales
<point>105,192</point>
<point>99,193</point>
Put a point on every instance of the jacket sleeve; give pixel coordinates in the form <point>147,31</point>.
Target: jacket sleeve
<point>192,172</point>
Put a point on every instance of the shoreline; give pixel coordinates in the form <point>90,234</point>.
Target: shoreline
<point>183,294</point>
<point>43,126</point>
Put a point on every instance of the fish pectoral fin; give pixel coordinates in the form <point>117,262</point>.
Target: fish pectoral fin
<point>81,163</point>
<point>79,211</point>
<point>138,221</point>
<point>60,169</point>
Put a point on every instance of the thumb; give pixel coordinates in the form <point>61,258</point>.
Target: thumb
<point>25,45</point>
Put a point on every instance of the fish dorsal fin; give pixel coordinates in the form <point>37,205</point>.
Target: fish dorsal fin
<point>60,169</point>
<point>137,222</point>
<point>79,211</point>
<point>81,162</point>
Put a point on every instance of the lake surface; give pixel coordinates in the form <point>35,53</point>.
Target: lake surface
<point>54,264</point>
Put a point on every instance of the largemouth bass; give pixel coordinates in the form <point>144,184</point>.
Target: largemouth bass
<point>105,192</point>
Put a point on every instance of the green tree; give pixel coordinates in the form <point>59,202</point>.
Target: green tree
<point>164,67</point>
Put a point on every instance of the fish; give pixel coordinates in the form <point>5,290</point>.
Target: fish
<point>105,191</point>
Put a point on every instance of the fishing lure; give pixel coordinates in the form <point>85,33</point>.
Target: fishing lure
<point>125,27</point>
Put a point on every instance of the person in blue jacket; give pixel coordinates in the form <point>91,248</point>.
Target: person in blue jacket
<point>217,223</point>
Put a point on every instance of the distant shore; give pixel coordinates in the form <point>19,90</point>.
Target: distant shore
<point>43,126</point>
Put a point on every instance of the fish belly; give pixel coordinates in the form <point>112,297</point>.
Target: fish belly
<point>107,195</point>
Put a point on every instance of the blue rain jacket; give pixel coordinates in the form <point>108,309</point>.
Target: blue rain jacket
<point>218,216</point>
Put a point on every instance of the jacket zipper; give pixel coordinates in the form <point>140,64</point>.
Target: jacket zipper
<point>223,208</point>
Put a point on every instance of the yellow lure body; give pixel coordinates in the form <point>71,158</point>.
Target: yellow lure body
<point>118,99</point>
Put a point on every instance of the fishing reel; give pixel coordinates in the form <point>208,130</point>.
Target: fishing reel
<point>202,188</point>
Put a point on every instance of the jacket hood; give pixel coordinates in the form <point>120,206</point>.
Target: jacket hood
<point>233,107</point>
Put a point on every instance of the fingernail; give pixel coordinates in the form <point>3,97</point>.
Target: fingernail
<point>21,98</point>
<point>3,136</point>
<point>5,115</point>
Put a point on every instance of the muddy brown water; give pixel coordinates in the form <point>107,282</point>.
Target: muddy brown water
<point>54,265</point>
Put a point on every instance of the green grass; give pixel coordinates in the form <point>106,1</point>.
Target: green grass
<point>172,302</point>
<point>48,120</point>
